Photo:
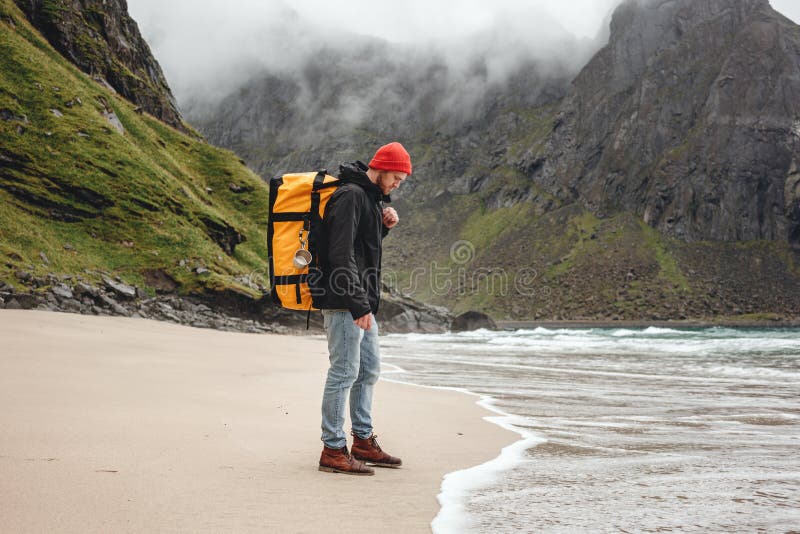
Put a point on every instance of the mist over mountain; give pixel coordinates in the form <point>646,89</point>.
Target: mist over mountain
<point>326,79</point>
<point>209,49</point>
<point>314,100</point>
<point>343,99</point>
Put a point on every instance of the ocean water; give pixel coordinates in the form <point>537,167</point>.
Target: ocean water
<point>622,430</point>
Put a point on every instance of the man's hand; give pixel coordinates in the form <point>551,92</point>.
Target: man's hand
<point>364,322</point>
<point>390,217</point>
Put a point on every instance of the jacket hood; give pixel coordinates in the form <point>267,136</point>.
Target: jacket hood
<point>356,172</point>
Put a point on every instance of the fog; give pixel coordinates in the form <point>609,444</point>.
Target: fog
<point>790,8</point>
<point>209,47</point>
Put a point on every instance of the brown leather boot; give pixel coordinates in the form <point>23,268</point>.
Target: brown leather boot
<point>341,461</point>
<point>368,451</point>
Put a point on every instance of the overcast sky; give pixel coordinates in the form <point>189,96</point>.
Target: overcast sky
<point>197,40</point>
<point>790,8</point>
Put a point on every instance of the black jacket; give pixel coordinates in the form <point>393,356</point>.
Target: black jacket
<point>350,248</point>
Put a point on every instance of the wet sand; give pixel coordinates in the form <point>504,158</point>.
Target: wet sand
<point>129,425</point>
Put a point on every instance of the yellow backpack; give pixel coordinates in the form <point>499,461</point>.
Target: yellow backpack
<point>296,206</point>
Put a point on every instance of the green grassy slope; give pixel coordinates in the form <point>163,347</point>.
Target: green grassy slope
<point>90,198</point>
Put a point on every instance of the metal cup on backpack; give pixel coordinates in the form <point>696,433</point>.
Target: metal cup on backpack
<point>302,258</point>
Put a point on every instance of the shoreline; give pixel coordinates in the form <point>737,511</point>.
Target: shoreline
<point>458,485</point>
<point>514,325</point>
<point>131,425</point>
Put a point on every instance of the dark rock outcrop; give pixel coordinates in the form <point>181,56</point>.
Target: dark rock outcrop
<point>472,320</point>
<point>119,288</point>
<point>219,311</point>
<point>227,309</point>
<point>689,117</point>
<point>400,314</point>
<point>104,41</point>
<point>160,280</point>
<point>223,234</point>
<point>56,197</point>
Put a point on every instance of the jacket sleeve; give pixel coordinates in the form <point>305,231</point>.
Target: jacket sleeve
<point>342,216</point>
<point>384,228</point>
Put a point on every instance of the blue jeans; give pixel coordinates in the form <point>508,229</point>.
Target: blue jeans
<point>355,367</point>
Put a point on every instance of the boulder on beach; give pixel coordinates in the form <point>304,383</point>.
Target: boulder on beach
<point>472,320</point>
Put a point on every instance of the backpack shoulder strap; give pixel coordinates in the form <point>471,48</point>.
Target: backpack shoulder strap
<point>319,181</point>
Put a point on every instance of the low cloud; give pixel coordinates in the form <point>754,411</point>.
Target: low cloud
<point>210,48</point>
<point>343,63</point>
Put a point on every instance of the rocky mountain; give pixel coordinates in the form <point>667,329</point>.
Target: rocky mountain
<point>690,118</point>
<point>660,181</point>
<point>104,41</point>
<point>342,100</point>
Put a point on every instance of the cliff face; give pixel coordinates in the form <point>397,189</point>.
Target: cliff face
<point>104,41</point>
<point>690,117</point>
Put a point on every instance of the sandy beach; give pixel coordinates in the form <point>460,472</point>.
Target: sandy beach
<point>129,425</point>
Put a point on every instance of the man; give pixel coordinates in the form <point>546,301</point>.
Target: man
<point>355,222</point>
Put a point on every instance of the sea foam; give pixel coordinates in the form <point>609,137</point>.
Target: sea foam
<point>457,486</point>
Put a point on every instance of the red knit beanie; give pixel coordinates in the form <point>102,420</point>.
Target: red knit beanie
<point>392,157</point>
